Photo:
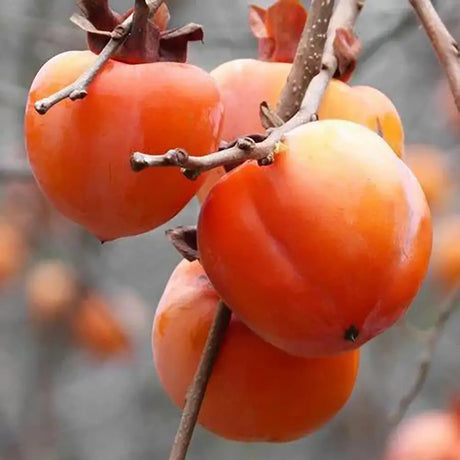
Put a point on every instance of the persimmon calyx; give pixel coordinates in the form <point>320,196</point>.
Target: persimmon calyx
<point>149,39</point>
<point>278,29</point>
<point>184,239</point>
<point>347,48</point>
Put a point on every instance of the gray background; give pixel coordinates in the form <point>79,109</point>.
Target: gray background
<point>118,411</point>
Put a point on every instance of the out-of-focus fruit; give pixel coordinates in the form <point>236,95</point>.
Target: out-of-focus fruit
<point>13,251</point>
<point>97,330</point>
<point>431,168</point>
<point>52,290</point>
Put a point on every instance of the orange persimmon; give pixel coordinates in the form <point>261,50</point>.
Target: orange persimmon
<point>428,436</point>
<point>325,248</point>
<point>256,391</point>
<point>80,150</point>
<point>13,251</point>
<point>446,252</point>
<point>51,289</point>
<point>431,168</point>
<point>245,83</point>
<point>97,330</point>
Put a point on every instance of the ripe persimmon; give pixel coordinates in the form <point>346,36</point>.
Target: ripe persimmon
<point>245,83</point>
<point>446,252</point>
<point>80,150</point>
<point>256,391</point>
<point>51,289</point>
<point>97,330</point>
<point>428,436</point>
<point>431,168</point>
<point>325,248</point>
<point>13,251</point>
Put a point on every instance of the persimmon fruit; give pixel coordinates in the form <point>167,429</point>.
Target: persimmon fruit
<point>80,150</point>
<point>446,252</point>
<point>428,436</point>
<point>97,330</point>
<point>256,391</point>
<point>431,168</point>
<point>13,251</point>
<point>325,248</point>
<point>52,290</point>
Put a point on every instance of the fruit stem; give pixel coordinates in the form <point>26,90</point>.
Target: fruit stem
<point>79,88</point>
<point>197,389</point>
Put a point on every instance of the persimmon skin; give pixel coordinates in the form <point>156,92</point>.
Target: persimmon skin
<point>367,106</point>
<point>13,251</point>
<point>256,392</point>
<point>428,436</point>
<point>446,253</point>
<point>79,151</point>
<point>432,170</point>
<point>245,83</point>
<point>96,330</point>
<point>325,248</point>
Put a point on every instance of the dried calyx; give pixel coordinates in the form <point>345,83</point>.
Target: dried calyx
<point>346,47</point>
<point>278,29</point>
<point>149,39</point>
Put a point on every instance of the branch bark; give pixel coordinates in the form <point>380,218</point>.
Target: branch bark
<point>79,88</point>
<point>197,389</point>
<point>307,60</point>
<point>446,311</point>
<point>446,47</point>
<point>344,16</point>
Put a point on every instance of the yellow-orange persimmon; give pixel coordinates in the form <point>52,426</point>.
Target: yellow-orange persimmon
<point>325,248</point>
<point>256,391</point>
<point>428,436</point>
<point>79,151</point>
<point>446,252</point>
<point>97,330</point>
<point>247,82</point>
<point>13,251</point>
<point>431,168</point>
<point>52,290</point>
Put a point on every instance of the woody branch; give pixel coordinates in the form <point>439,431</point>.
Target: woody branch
<point>246,148</point>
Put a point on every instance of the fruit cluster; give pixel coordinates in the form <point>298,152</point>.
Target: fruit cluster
<point>315,253</point>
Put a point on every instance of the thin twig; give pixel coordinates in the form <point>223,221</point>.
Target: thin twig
<point>307,60</point>
<point>445,312</point>
<point>446,47</point>
<point>79,88</point>
<point>197,389</point>
<point>344,15</point>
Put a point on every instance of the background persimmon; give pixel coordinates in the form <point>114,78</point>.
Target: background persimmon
<point>431,168</point>
<point>256,391</point>
<point>51,289</point>
<point>324,249</point>
<point>446,252</point>
<point>428,436</point>
<point>97,330</point>
<point>13,251</point>
<point>80,151</point>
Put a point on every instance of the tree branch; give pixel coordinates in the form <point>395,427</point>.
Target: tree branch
<point>307,60</point>
<point>446,311</point>
<point>79,88</point>
<point>446,47</point>
<point>197,389</point>
<point>246,148</point>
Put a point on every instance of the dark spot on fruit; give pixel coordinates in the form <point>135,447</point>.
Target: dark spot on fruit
<point>351,334</point>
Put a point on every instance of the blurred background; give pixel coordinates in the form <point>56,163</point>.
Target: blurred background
<point>72,395</point>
